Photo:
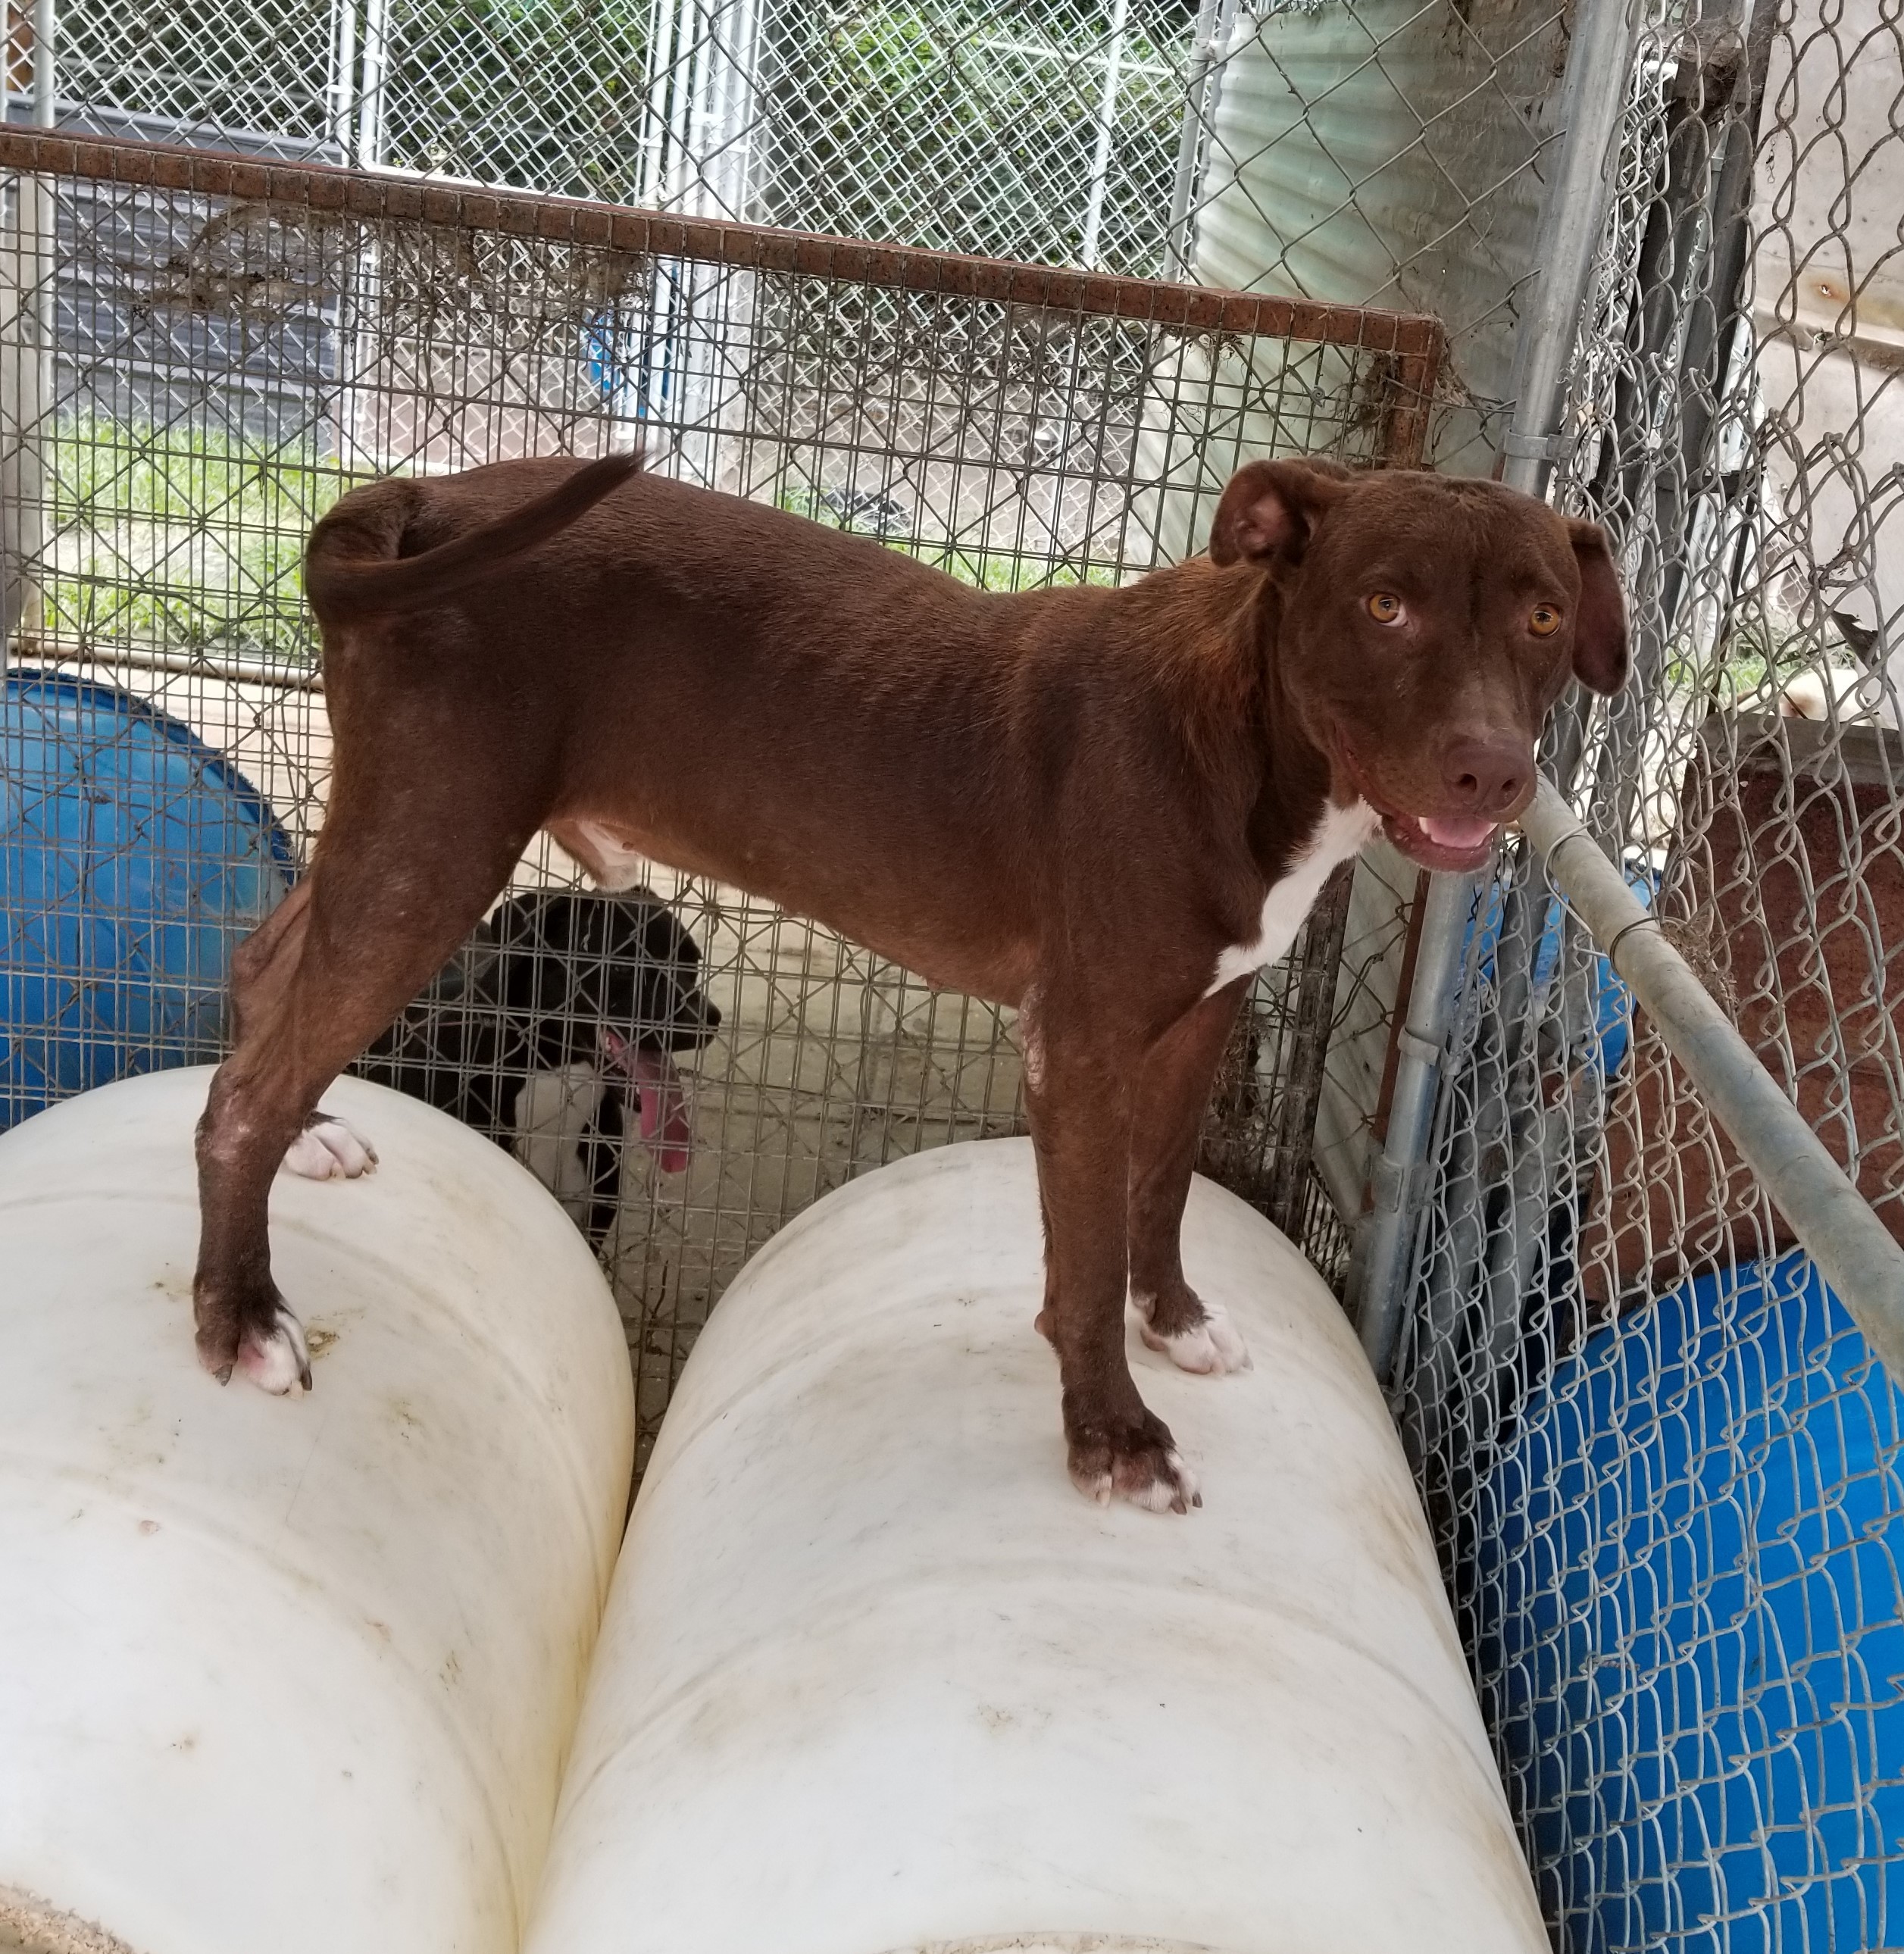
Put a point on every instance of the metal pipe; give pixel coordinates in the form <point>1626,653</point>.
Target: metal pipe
<point>28,389</point>
<point>1215,20</point>
<point>1114,65</point>
<point>46,66</point>
<point>1853,1249</point>
<point>375,77</point>
<point>344,74</point>
<point>1387,1230</point>
<point>1592,97</point>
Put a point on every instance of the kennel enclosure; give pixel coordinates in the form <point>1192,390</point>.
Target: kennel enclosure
<point>1662,1462</point>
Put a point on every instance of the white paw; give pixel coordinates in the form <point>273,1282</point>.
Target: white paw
<point>1171,1495</point>
<point>277,1360</point>
<point>1175,1490</point>
<point>329,1149</point>
<point>1212,1348</point>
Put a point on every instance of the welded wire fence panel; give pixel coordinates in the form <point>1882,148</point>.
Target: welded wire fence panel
<point>200,356</point>
<point>1667,1473</point>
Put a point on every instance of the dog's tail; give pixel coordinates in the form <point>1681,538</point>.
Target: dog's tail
<point>343,577</point>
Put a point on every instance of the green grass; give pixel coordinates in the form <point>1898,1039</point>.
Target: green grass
<point>183,538</point>
<point>1747,668</point>
<point>984,570</point>
<point>190,540</point>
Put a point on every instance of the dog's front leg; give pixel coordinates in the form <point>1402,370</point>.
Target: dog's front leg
<point>1079,1096</point>
<point>1174,1095</point>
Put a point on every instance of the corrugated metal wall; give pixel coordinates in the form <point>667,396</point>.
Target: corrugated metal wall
<point>1387,152</point>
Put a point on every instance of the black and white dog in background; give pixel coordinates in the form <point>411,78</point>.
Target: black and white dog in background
<point>566,1006</point>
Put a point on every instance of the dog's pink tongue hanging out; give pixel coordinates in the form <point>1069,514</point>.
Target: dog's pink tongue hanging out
<point>666,1131</point>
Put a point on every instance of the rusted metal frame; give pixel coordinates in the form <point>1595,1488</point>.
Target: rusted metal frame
<point>375,196</point>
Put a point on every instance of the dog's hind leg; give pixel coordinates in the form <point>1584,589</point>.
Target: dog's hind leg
<point>327,1149</point>
<point>375,919</point>
<point>1173,1095</point>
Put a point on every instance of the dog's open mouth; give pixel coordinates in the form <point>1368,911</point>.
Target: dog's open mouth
<point>666,1130</point>
<point>1446,842</point>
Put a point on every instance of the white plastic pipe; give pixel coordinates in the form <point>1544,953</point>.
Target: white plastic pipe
<point>280,1675</point>
<point>873,1678</point>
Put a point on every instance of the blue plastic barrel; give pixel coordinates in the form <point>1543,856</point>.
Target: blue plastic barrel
<point>133,858</point>
<point>1691,1617</point>
<point>1612,1002</point>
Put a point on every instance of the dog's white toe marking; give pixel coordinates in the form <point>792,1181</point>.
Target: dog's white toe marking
<point>329,1149</point>
<point>1186,1480</point>
<point>1210,1349</point>
<point>277,1360</point>
<point>1161,1496</point>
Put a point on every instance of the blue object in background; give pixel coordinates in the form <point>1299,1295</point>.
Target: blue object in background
<point>1613,1002</point>
<point>1690,1610</point>
<point>132,859</point>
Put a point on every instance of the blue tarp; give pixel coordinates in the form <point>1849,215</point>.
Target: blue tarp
<point>1689,1592</point>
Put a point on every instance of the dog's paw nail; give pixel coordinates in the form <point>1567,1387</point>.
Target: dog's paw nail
<point>223,1374</point>
<point>1181,1484</point>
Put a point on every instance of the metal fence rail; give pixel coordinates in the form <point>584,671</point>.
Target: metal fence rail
<point>205,352</point>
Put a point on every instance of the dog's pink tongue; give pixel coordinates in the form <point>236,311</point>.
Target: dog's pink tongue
<point>1455,833</point>
<point>665,1128</point>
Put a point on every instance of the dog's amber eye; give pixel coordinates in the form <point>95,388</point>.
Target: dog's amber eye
<point>1385,609</point>
<point>1543,621</point>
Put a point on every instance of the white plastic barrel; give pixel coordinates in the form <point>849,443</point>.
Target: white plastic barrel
<point>293,1677</point>
<point>874,1677</point>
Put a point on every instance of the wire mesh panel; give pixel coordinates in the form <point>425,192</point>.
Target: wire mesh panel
<point>202,355</point>
<point>1665,1465</point>
<point>1046,130</point>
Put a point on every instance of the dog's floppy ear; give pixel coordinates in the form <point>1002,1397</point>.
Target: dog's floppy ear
<point>1270,509</point>
<point>1600,629</point>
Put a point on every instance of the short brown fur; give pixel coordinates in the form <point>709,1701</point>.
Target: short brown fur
<point>1071,800</point>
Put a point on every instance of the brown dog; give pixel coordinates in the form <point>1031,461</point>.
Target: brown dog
<point>1106,807</point>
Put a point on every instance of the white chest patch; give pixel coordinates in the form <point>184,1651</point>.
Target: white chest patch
<point>551,1110</point>
<point>1342,832</point>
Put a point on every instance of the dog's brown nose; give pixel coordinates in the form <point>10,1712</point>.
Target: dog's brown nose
<point>1486,777</point>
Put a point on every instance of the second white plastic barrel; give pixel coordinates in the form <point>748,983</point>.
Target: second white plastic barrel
<point>293,1677</point>
<point>874,1677</point>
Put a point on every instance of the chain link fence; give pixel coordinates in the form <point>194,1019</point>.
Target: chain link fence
<point>1046,130</point>
<point>1663,1463</point>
